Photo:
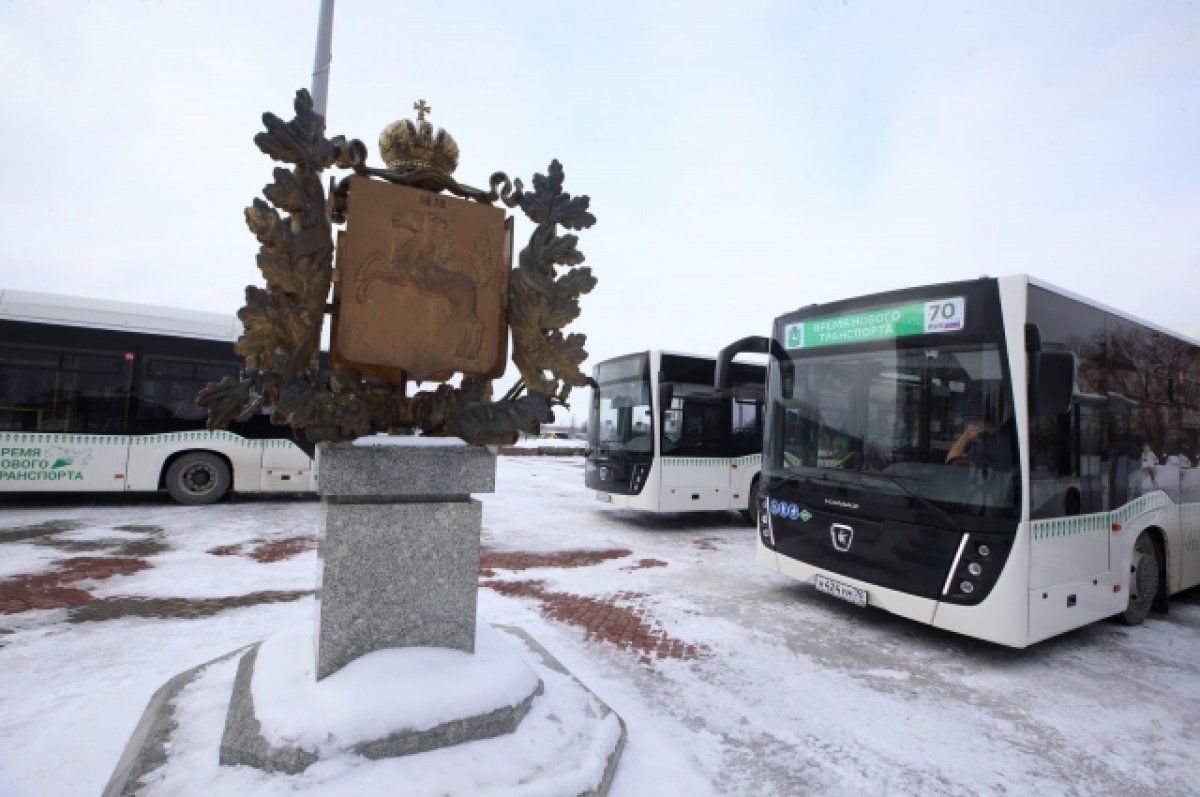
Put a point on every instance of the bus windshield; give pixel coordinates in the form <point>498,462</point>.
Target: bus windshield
<point>931,422</point>
<point>621,417</point>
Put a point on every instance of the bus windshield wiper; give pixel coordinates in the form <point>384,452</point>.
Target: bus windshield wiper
<point>946,517</point>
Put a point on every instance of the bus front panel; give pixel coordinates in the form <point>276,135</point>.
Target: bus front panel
<point>891,446</point>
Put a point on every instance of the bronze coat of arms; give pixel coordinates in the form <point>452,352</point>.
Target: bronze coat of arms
<point>424,288</point>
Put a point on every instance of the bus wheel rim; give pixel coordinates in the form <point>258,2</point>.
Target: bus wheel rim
<point>192,485</point>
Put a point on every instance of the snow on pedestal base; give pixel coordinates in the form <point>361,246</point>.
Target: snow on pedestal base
<point>568,742</point>
<point>388,703</point>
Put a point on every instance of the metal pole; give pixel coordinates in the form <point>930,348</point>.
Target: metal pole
<point>323,58</point>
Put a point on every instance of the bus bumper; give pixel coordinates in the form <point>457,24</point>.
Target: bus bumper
<point>921,610</point>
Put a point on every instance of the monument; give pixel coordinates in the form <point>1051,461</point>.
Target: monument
<point>421,288</point>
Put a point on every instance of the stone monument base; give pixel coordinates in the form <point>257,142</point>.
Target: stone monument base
<point>542,730</point>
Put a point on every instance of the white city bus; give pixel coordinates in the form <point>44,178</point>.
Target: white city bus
<point>1000,458</point>
<point>101,396</point>
<point>660,439</point>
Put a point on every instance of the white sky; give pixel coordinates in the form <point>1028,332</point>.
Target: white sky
<point>742,159</point>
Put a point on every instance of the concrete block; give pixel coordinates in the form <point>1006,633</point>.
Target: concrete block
<point>397,575</point>
<point>404,470</point>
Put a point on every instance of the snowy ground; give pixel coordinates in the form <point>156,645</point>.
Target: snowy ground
<point>731,680</point>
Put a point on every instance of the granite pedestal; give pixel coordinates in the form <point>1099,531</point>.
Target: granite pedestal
<point>400,547</point>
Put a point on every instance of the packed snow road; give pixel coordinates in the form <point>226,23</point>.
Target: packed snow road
<point>732,680</point>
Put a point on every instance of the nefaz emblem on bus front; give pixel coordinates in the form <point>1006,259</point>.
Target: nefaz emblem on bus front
<point>842,535</point>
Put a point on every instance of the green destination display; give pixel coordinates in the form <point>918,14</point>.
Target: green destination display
<point>883,323</point>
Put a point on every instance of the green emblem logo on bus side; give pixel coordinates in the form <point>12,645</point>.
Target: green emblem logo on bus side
<point>917,318</point>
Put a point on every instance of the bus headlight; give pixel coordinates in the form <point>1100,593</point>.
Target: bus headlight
<point>638,478</point>
<point>764,521</point>
<point>977,567</point>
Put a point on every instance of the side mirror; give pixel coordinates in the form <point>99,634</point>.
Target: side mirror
<point>1052,382</point>
<point>724,369</point>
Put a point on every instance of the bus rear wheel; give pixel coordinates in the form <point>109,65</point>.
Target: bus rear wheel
<point>198,478</point>
<point>1144,574</point>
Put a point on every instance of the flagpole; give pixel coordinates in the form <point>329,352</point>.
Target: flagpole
<point>323,58</point>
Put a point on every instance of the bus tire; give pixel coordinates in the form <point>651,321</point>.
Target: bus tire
<point>750,513</point>
<point>1144,575</point>
<point>198,478</point>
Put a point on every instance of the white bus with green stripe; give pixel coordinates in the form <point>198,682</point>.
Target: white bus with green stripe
<point>661,439</point>
<point>1000,458</point>
<point>100,396</point>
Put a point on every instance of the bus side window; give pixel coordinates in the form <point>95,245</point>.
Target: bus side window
<point>168,391</point>
<point>42,391</point>
<point>26,388</point>
<point>747,426</point>
<point>94,392</point>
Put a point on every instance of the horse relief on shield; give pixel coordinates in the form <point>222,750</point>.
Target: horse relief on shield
<point>423,258</point>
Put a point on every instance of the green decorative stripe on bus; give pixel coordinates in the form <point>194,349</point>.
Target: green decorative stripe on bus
<point>1100,521</point>
<point>711,462</point>
<point>74,439</point>
<point>27,438</point>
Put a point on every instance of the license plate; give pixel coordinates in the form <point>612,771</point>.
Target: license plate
<point>605,497</point>
<point>839,590</point>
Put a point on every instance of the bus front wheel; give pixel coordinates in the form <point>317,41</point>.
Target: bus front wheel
<point>198,478</point>
<point>1144,574</point>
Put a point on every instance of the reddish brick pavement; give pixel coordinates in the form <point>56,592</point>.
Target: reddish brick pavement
<point>49,591</point>
<point>269,551</point>
<point>642,564</point>
<point>491,561</point>
<point>622,618</point>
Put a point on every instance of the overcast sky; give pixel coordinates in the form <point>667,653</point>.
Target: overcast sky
<point>743,159</point>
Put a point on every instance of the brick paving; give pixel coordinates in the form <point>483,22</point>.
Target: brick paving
<point>267,552</point>
<point>623,618</point>
<point>176,608</point>
<point>51,590</point>
<point>491,561</point>
<point>642,564</point>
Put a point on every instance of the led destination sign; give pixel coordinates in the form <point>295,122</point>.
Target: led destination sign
<point>886,323</point>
